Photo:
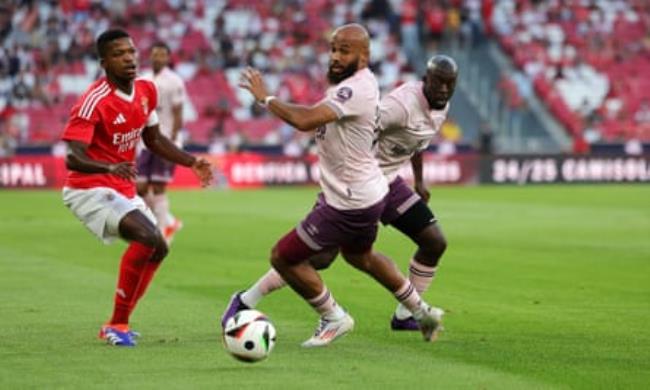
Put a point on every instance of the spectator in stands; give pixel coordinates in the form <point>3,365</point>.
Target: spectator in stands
<point>435,18</point>
<point>642,115</point>
<point>8,143</point>
<point>50,43</point>
<point>410,35</point>
<point>580,145</point>
<point>633,147</point>
<point>295,146</point>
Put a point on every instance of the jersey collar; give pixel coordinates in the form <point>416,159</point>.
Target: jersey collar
<point>124,96</point>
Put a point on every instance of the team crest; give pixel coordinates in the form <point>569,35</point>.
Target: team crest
<point>343,94</point>
<point>145,105</point>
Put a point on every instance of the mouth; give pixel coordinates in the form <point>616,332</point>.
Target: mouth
<point>336,68</point>
<point>131,70</point>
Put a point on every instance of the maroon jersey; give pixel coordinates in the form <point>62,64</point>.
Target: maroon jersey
<point>111,123</point>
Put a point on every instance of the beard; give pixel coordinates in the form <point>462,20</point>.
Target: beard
<point>335,78</point>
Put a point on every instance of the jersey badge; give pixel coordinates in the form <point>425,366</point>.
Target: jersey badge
<point>343,94</point>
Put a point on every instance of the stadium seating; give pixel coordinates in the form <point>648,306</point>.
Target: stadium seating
<point>588,60</point>
<point>287,42</point>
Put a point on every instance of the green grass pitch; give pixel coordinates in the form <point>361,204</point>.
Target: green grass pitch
<point>545,287</point>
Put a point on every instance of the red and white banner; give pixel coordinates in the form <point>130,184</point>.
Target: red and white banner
<point>32,172</point>
<point>251,170</point>
<point>235,170</point>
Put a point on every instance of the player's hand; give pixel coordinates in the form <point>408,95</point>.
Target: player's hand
<point>251,79</point>
<point>203,170</point>
<point>125,170</point>
<point>422,190</point>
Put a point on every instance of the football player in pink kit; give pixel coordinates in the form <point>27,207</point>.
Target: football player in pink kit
<point>410,116</point>
<point>154,172</point>
<point>354,190</point>
<point>104,128</point>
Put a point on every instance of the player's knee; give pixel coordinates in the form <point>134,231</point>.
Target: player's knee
<point>323,260</point>
<point>142,189</point>
<point>277,261</point>
<point>162,250</point>
<point>431,250</point>
<point>362,262</point>
<point>148,237</point>
<point>158,188</point>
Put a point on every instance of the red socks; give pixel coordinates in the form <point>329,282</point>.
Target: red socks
<point>147,274</point>
<point>132,269</point>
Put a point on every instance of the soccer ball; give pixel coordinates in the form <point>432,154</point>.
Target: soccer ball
<point>249,336</point>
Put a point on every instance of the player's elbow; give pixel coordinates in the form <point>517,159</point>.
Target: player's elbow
<point>149,141</point>
<point>298,122</point>
<point>71,161</point>
<point>305,124</point>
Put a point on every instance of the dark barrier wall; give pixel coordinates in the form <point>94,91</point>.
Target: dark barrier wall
<point>565,169</point>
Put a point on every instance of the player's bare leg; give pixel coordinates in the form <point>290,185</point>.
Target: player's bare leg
<point>287,258</point>
<point>271,281</point>
<point>384,270</point>
<point>167,224</point>
<point>422,269</point>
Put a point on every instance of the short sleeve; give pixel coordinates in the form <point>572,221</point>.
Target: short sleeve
<point>153,96</point>
<point>152,120</point>
<point>346,101</point>
<point>80,128</point>
<point>392,113</point>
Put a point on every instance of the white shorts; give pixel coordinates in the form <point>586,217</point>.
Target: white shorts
<point>101,209</point>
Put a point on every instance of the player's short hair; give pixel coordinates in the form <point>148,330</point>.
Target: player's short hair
<point>107,37</point>
<point>161,45</point>
<point>443,62</point>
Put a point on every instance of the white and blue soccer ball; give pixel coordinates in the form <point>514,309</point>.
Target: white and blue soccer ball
<point>249,336</point>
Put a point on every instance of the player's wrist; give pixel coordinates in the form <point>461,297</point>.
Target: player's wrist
<point>193,161</point>
<point>267,100</point>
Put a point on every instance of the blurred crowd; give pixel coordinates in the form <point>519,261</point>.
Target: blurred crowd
<point>47,56</point>
<point>587,59</point>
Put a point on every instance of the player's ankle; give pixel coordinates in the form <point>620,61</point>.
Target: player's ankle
<point>335,314</point>
<point>402,313</point>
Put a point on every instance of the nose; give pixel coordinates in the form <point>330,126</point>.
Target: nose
<point>129,58</point>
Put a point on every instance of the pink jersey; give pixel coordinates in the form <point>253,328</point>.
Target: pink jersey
<point>111,123</point>
<point>349,173</point>
<point>407,125</point>
<point>171,93</point>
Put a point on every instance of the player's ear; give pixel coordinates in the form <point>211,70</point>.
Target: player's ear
<point>364,57</point>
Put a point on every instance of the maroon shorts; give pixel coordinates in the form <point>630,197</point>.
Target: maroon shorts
<point>399,199</point>
<point>153,168</point>
<point>352,231</point>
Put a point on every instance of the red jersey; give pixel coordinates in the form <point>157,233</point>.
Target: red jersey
<point>111,123</point>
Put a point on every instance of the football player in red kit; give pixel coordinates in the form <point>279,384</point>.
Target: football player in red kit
<point>104,127</point>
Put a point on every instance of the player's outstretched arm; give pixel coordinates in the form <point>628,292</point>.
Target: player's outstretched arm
<point>303,118</point>
<point>77,160</point>
<point>420,187</point>
<point>165,148</point>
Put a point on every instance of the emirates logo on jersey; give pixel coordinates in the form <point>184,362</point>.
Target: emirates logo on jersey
<point>145,105</point>
<point>127,141</point>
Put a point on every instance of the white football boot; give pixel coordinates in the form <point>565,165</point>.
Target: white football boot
<point>430,322</point>
<point>329,330</point>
